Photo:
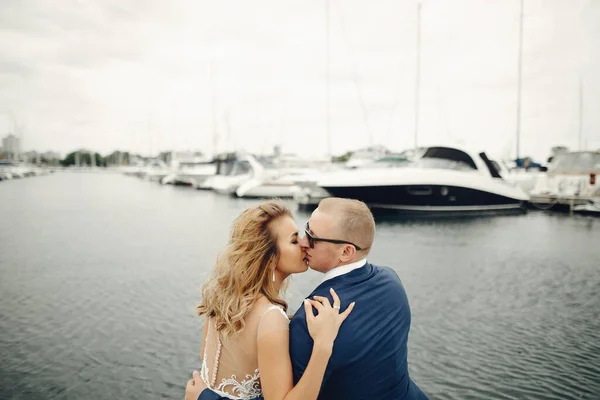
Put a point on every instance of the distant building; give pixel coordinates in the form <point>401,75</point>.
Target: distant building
<point>135,159</point>
<point>11,147</point>
<point>34,157</point>
<point>117,158</point>
<point>51,157</point>
<point>31,157</point>
<point>166,156</point>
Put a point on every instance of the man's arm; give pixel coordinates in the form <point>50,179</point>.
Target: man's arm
<point>301,344</point>
<point>274,361</point>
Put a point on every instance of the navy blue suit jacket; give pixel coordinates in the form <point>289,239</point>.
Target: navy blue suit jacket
<point>208,394</point>
<point>369,359</point>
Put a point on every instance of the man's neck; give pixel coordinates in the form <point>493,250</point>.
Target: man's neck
<point>344,269</point>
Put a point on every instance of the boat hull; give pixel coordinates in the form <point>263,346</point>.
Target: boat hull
<point>259,188</point>
<point>427,198</point>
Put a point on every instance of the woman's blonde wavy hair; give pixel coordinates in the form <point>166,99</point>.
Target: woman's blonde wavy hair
<point>244,269</point>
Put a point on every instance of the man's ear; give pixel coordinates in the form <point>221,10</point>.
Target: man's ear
<point>348,253</point>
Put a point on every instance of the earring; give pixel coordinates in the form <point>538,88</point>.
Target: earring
<point>273,274</point>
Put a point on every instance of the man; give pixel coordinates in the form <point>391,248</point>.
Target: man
<point>369,359</point>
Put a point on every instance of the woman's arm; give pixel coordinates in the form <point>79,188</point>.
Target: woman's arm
<point>196,385</point>
<point>274,361</point>
<point>275,368</point>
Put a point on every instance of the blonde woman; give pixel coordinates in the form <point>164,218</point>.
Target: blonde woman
<point>246,331</point>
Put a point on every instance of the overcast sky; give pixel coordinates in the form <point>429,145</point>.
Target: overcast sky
<point>151,75</point>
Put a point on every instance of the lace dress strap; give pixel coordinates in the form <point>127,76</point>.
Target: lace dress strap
<point>274,307</point>
<point>204,372</point>
<point>273,319</point>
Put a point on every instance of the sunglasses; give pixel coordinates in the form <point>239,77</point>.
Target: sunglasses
<point>312,239</point>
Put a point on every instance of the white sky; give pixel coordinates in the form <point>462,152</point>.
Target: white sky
<point>135,74</point>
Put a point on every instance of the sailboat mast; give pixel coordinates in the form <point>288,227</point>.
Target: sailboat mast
<point>214,111</point>
<point>417,75</point>
<point>519,73</point>
<point>580,115</point>
<point>327,90</point>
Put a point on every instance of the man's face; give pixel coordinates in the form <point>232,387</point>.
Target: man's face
<point>324,256</point>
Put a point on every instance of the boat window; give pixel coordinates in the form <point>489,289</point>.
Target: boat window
<point>241,168</point>
<point>225,167</point>
<point>492,166</point>
<point>446,158</point>
<point>395,160</point>
<point>496,165</point>
<point>389,162</point>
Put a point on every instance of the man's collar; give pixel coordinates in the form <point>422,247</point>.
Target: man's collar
<point>344,269</point>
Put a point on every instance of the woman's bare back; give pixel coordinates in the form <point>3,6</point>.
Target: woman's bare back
<point>230,365</point>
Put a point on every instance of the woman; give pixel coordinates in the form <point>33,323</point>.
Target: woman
<point>246,341</point>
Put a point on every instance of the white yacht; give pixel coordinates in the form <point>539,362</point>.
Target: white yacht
<point>521,177</point>
<point>572,178</point>
<point>309,193</point>
<point>154,171</point>
<point>365,156</point>
<point>192,174</point>
<point>442,179</point>
<point>5,171</point>
<point>274,183</point>
<point>232,170</point>
<point>280,176</point>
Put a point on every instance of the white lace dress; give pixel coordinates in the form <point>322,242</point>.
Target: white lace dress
<point>233,362</point>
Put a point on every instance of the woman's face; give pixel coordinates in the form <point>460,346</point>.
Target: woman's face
<point>291,256</point>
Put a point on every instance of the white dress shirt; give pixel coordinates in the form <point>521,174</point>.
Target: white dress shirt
<point>343,270</point>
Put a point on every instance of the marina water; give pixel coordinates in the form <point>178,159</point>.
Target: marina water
<point>100,274</point>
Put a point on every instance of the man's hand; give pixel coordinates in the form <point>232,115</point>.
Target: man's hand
<point>194,387</point>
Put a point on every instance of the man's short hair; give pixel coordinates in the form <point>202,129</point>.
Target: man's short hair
<point>354,220</point>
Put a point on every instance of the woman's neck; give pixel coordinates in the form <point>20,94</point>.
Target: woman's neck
<point>278,283</point>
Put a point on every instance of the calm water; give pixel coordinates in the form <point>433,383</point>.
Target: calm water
<point>100,274</point>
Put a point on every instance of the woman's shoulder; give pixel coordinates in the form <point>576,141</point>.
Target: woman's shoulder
<point>263,306</point>
<point>263,303</point>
